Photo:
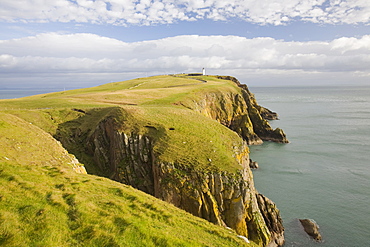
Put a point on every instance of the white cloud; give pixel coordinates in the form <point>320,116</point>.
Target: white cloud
<point>59,55</point>
<point>145,12</point>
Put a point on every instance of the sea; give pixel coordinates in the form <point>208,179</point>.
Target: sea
<point>324,172</point>
<point>19,93</point>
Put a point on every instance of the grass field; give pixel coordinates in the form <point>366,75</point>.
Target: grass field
<point>142,91</point>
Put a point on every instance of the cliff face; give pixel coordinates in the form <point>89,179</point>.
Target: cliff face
<point>224,198</point>
<point>229,109</point>
<point>124,157</point>
<point>241,113</point>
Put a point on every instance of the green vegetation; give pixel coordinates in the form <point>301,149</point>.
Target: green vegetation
<point>199,142</point>
<point>154,101</point>
<point>43,202</point>
<point>141,91</point>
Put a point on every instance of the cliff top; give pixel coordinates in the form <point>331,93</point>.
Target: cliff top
<point>155,90</point>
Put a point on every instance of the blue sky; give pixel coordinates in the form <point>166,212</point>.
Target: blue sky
<point>71,44</point>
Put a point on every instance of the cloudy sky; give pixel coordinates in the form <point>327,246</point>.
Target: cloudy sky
<point>79,43</point>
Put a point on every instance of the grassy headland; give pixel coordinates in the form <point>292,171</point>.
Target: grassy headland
<point>43,202</point>
<point>154,101</point>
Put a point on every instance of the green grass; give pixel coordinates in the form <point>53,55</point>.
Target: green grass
<point>39,208</point>
<point>199,142</point>
<point>186,136</point>
<point>142,91</point>
<point>25,143</point>
<point>43,202</point>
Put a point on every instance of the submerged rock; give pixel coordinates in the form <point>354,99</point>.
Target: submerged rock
<point>311,228</point>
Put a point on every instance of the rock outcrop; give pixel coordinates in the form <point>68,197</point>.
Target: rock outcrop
<point>240,112</point>
<point>272,219</point>
<point>311,228</point>
<point>127,158</point>
<point>259,115</point>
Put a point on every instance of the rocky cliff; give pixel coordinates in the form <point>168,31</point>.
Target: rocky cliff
<point>224,198</point>
<point>240,112</point>
<point>127,150</point>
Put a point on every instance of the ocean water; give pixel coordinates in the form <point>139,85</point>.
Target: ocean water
<point>19,93</point>
<point>324,172</point>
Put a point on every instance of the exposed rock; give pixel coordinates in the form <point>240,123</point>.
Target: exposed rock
<point>127,158</point>
<point>253,164</point>
<point>229,109</point>
<point>241,113</point>
<point>311,228</point>
<point>268,114</point>
<point>260,125</point>
<point>222,198</point>
<point>77,167</point>
<point>273,220</point>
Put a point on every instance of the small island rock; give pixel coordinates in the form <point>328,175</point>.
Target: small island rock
<point>311,228</point>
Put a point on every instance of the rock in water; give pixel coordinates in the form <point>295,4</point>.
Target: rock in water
<point>311,228</point>
<point>253,164</point>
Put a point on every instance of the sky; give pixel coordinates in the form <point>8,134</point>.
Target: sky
<point>67,44</point>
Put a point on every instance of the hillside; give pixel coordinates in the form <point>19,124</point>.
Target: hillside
<point>46,200</point>
<point>181,138</point>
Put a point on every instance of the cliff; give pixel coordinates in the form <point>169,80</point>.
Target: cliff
<point>222,197</point>
<point>240,112</point>
<point>182,139</point>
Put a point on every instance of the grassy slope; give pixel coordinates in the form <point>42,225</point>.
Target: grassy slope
<point>44,203</point>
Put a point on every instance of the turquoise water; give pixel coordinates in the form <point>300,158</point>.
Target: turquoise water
<point>324,173</point>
